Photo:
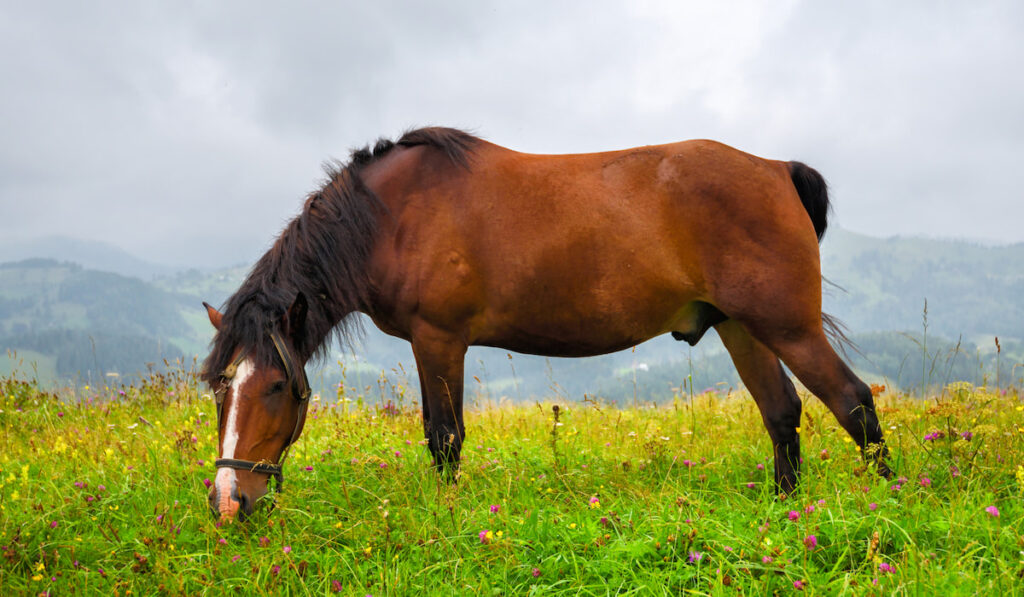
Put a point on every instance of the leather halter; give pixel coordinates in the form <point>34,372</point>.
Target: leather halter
<point>299,386</point>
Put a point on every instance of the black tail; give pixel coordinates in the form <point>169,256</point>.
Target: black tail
<point>813,191</point>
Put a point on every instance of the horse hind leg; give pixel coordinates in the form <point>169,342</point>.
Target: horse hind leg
<point>814,362</point>
<point>775,396</point>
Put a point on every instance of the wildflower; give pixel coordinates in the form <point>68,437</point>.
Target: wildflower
<point>872,506</point>
<point>823,456</point>
<point>53,524</point>
<point>794,515</point>
<point>222,541</point>
<point>594,502</point>
<point>604,521</point>
<point>809,509</point>
<point>536,572</point>
<point>235,558</point>
<point>885,568</point>
<point>934,435</point>
<point>383,465</point>
<point>966,436</point>
<point>727,548</point>
<point>811,542</point>
<point>207,482</point>
<point>687,463</point>
<point>309,468</point>
<point>398,454</point>
<point>925,482</point>
<point>760,466</point>
<point>694,557</point>
<point>896,487</point>
<point>286,549</point>
<point>993,511</point>
<point>275,570</point>
<point>486,537</point>
<point>954,471</point>
<point>264,541</point>
<point>750,485</point>
<point>60,414</point>
<point>336,586</point>
<point>494,508</point>
<point>766,560</point>
<point>798,585</point>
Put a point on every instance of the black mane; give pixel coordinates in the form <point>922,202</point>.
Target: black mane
<point>322,254</point>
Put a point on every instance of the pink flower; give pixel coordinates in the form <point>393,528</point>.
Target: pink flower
<point>766,559</point>
<point>925,482</point>
<point>798,585</point>
<point>536,572</point>
<point>811,542</point>
<point>383,465</point>
<point>309,468</point>
<point>275,570</point>
<point>336,586</point>
<point>53,524</point>
<point>287,549</point>
<point>885,568</point>
<point>750,485</point>
<point>809,509</point>
<point>872,506</point>
<point>694,557</point>
<point>993,511</point>
<point>235,558</point>
<point>760,466</point>
<point>264,541</point>
<point>486,536</point>
<point>494,508</point>
<point>207,483</point>
<point>794,515</point>
<point>222,541</point>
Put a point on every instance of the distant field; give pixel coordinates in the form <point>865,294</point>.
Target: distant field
<point>104,494</point>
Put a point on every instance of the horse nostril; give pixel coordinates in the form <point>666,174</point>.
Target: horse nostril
<point>244,504</point>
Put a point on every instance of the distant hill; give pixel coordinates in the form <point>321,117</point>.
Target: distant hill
<point>76,320</point>
<point>87,253</point>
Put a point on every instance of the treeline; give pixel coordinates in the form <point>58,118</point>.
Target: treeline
<point>92,355</point>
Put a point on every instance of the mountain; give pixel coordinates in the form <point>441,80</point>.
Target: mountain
<point>91,254</point>
<point>79,321</point>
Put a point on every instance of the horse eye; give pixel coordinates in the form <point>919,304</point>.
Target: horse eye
<point>275,388</point>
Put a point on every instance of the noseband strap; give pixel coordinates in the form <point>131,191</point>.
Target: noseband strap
<point>300,391</point>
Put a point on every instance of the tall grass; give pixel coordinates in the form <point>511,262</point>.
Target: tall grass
<point>104,493</point>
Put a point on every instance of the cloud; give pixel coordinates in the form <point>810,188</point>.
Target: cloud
<point>190,133</point>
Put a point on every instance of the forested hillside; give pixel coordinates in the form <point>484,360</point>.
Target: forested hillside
<point>81,323</point>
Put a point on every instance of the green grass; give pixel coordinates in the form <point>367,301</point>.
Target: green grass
<point>104,494</point>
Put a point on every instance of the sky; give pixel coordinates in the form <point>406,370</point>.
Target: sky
<point>189,133</point>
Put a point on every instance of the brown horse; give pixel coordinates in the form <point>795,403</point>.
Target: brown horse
<point>447,241</point>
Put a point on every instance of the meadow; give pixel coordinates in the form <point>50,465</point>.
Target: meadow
<point>103,491</point>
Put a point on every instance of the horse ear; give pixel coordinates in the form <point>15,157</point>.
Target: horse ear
<point>214,315</point>
<point>295,320</point>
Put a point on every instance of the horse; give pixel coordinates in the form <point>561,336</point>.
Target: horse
<point>446,240</point>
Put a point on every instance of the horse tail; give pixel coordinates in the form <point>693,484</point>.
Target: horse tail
<point>813,191</point>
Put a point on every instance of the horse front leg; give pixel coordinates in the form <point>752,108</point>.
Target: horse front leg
<point>440,357</point>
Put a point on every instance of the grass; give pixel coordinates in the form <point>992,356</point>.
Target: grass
<point>104,493</point>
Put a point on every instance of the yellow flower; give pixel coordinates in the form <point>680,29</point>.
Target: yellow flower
<point>37,577</point>
<point>368,550</point>
<point>40,567</point>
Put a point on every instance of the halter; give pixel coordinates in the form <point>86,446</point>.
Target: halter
<point>299,385</point>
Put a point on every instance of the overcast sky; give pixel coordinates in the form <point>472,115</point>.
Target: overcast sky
<point>190,132</point>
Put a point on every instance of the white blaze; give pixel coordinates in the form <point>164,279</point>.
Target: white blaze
<point>226,476</point>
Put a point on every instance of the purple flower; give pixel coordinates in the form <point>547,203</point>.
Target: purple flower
<point>222,541</point>
<point>309,468</point>
<point>794,515</point>
<point>336,586</point>
<point>53,524</point>
<point>694,557</point>
<point>536,572</point>
<point>264,541</point>
<point>760,466</point>
<point>993,511</point>
<point>798,585</point>
<point>809,509</point>
<point>486,536</point>
<point>750,485</point>
<point>383,465</point>
<point>810,542</point>
<point>60,414</point>
<point>207,482</point>
<point>766,559</point>
<point>275,570</point>
<point>925,482</point>
<point>494,508</point>
<point>235,558</point>
<point>885,568</point>
<point>966,436</point>
<point>872,506</point>
<point>287,549</point>
<point>398,454</point>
